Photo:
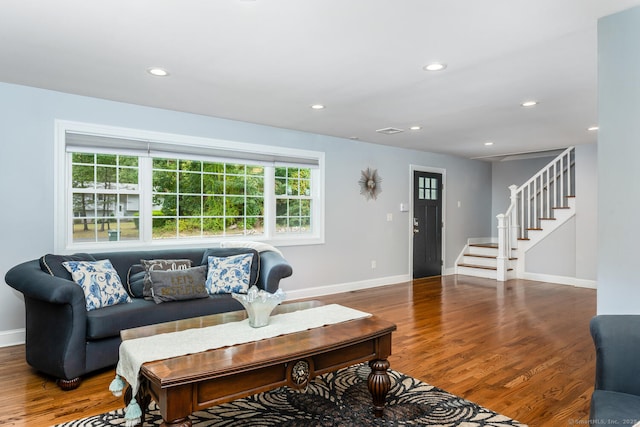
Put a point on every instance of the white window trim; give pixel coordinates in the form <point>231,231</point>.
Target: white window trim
<point>62,181</point>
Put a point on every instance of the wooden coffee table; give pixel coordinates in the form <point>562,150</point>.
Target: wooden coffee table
<point>185,384</point>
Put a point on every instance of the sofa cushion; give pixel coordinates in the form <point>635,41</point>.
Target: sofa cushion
<point>225,252</point>
<point>613,408</point>
<point>100,282</point>
<point>52,264</point>
<point>109,321</point>
<point>229,274</point>
<point>177,285</point>
<point>160,265</point>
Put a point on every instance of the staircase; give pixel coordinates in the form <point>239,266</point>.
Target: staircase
<point>538,207</point>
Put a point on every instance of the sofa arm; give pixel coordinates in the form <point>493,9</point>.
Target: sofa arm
<point>273,268</point>
<point>617,342</point>
<point>34,283</point>
<point>56,320</point>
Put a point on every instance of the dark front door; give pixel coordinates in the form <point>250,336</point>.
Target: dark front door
<point>427,224</point>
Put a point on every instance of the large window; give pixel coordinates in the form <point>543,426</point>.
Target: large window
<point>127,187</point>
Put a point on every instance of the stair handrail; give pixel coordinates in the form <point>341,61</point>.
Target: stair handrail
<point>530,199</point>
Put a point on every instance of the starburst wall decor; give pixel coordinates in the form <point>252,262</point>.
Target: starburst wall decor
<point>370,184</point>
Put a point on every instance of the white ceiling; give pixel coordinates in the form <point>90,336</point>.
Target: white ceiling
<point>267,61</point>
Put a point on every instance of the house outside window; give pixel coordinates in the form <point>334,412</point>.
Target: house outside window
<point>125,187</point>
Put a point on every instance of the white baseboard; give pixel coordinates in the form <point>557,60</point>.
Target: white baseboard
<point>561,280</point>
<point>345,287</point>
<point>12,337</point>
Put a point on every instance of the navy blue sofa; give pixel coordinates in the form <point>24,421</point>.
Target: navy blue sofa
<point>616,398</point>
<point>66,341</point>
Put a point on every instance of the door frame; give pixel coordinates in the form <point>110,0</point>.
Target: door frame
<point>443,172</point>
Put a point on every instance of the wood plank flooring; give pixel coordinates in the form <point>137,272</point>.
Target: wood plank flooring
<point>521,348</point>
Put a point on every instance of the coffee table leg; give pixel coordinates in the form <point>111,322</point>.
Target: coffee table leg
<point>379,384</point>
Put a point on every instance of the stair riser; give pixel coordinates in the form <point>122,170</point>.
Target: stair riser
<point>489,262</point>
<point>477,272</point>
<point>479,250</point>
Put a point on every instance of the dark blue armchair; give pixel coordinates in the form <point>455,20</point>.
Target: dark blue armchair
<point>616,398</point>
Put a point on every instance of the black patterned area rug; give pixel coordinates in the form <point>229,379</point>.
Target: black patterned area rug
<point>335,399</point>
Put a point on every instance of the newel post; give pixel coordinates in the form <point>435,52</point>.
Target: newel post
<point>514,218</point>
<point>502,248</point>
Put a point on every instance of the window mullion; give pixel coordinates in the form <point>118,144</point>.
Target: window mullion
<point>146,198</point>
<point>269,201</point>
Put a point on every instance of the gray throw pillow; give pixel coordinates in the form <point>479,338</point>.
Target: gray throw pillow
<point>176,285</point>
<point>160,264</point>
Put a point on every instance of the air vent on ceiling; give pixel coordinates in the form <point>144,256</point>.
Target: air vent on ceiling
<point>389,131</point>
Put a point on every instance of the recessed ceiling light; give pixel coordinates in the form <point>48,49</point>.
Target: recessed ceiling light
<point>156,71</point>
<point>529,103</point>
<point>488,143</point>
<point>435,66</point>
<point>592,128</point>
<point>415,127</point>
<point>317,106</point>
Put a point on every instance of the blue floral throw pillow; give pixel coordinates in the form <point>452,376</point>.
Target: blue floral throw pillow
<point>229,274</point>
<point>100,282</point>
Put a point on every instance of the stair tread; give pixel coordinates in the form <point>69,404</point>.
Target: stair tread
<point>535,228</point>
<point>481,256</point>
<point>483,267</point>
<point>485,256</point>
<point>561,207</point>
<point>547,219</point>
<point>484,245</point>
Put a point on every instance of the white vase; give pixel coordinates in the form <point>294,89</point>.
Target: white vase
<point>259,304</point>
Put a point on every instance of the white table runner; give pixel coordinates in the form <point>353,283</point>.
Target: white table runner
<point>135,352</point>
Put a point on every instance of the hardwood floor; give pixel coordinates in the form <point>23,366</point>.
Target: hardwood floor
<point>521,348</point>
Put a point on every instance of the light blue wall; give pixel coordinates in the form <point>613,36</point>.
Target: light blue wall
<point>618,162</point>
<point>357,231</point>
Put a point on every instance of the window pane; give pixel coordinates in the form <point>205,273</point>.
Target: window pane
<point>83,158</point>
<point>255,186</point>
<point>190,227</point>
<point>106,177</point>
<point>234,184</point>
<point>213,184</point>
<point>83,205</point>
<point>235,169</point>
<point>213,167</point>
<point>190,165</point>
<point>282,207</point>
<point>164,227</point>
<point>129,229</point>
<point>234,226</point>
<point>128,178</point>
<point>293,200</point>
<point>166,164</point>
<point>255,170</point>
<point>213,206</point>
<point>165,182</point>
<point>190,205</point>
<point>84,230</point>
<point>281,186</point>
<point>83,176</point>
<point>106,159</point>
<point>190,183</point>
<point>213,226</point>
<point>234,206</point>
